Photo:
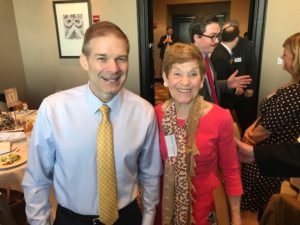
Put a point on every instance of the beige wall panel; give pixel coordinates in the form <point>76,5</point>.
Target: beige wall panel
<point>11,65</point>
<point>45,71</point>
<point>282,20</point>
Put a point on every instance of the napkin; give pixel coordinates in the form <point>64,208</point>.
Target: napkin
<point>12,136</point>
<point>4,147</point>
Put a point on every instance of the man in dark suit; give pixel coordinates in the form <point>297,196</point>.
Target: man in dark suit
<point>246,63</point>
<point>165,41</point>
<point>223,61</point>
<point>205,31</point>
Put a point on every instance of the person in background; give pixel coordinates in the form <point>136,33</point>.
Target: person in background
<point>279,122</point>
<point>205,32</point>
<point>246,63</point>
<point>196,140</point>
<point>223,62</point>
<point>63,145</point>
<point>165,41</point>
<point>246,35</point>
<point>274,159</point>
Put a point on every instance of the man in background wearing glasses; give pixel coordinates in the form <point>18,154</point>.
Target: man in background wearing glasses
<point>205,32</point>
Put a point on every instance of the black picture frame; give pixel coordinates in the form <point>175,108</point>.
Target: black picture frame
<point>72,18</point>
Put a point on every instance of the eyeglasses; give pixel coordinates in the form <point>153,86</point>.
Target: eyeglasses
<point>212,37</point>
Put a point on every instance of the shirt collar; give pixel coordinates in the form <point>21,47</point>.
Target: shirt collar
<point>95,103</point>
<point>228,49</point>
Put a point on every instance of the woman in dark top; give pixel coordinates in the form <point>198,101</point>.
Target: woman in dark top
<point>279,123</point>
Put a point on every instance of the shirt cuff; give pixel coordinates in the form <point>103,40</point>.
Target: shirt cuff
<point>148,219</point>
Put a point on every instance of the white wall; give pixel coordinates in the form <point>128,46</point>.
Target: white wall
<point>282,20</point>
<point>45,72</point>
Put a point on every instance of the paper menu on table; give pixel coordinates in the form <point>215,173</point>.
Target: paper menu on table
<point>15,136</point>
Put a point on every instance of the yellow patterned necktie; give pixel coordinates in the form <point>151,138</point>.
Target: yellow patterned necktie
<point>107,191</point>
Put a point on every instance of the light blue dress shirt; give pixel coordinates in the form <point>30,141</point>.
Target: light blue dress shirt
<point>62,152</point>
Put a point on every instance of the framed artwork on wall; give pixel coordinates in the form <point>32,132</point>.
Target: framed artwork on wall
<point>72,18</point>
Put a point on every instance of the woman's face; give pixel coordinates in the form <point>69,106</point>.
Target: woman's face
<point>288,60</point>
<point>184,81</point>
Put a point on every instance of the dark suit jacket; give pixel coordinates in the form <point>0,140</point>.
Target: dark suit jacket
<point>220,85</point>
<point>245,60</point>
<point>224,66</point>
<point>163,46</point>
<point>278,159</point>
<point>246,63</point>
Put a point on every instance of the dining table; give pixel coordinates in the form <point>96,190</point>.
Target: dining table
<point>11,175</point>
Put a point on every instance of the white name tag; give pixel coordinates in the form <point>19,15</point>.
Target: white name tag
<point>238,59</point>
<point>171,145</point>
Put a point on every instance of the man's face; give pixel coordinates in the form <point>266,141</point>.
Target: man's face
<point>169,31</point>
<point>107,66</point>
<point>204,42</point>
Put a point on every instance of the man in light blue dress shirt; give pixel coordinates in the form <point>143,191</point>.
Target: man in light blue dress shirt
<point>62,149</point>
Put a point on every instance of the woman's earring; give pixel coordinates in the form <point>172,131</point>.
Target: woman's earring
<point>165,83</point>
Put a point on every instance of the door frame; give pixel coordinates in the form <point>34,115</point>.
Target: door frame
<point>145,36</point>
<point>146,60</point>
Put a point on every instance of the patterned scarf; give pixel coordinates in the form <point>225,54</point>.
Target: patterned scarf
<point>179,170</point>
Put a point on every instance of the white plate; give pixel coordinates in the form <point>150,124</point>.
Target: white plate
<point>16,163</point>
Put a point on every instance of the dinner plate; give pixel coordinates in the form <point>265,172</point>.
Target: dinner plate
<point>16,163</point>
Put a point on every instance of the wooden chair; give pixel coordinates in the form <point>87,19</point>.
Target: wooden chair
<point>220,198</point>
<point>6,217</point>
<point>221,206</point>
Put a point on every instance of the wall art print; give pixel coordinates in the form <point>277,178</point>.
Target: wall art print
<point>72,18</point>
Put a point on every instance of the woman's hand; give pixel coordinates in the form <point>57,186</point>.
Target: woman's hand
<point>249,134</point>
<point>245,151</point>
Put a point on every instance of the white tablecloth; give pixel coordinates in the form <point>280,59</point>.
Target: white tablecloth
<point>12,177</point>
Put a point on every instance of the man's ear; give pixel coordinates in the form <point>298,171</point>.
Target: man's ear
<point>166,84</point>
<point>195,37</point>
<point>84,62</point>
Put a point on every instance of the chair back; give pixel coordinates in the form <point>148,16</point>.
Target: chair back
<point>6,217</point>
<point>16,204</point>
<point>221,206</point>
<point>295,182</point>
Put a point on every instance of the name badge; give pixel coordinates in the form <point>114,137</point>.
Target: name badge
<point>171,145</point>
<point>238,59</point>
